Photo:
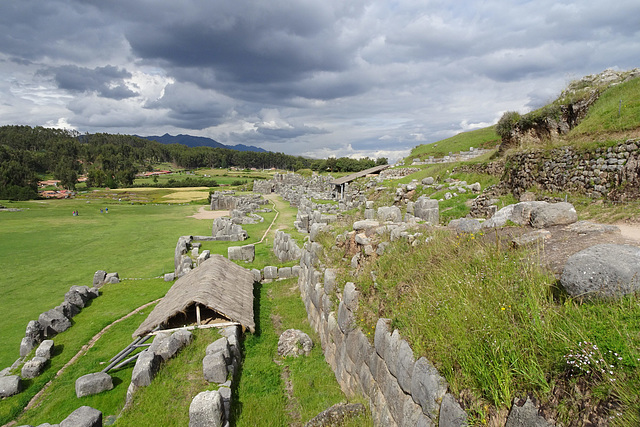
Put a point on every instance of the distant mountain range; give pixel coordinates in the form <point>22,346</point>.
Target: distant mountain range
<point>200,141</point>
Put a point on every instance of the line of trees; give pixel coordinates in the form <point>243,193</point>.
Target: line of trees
<point>112,160</point>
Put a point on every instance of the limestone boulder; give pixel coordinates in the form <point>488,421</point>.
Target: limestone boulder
<point>525,415</point>
<point>206,410</point>
<point>9,385</point>
<point>33,367</point>
<point>465,225</point>
<point>428,387</point>
<point>85,416</point>
<point>45,349</point>
<point>562,213</point>
<point>214,368</point>
<point>98,278</point>
<point>451,414</point>
<point>603,271</point>
<point>95,383</point>
<point>53,322</point>
<point>427,210</point>
<point>146,368</point>
<point>294,343</point>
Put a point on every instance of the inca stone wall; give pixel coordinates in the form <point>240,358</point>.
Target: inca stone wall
<point>285,248</point>
<point>613,172</point>
<point>401,390</point>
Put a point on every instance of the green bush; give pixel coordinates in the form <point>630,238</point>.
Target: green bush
<point>507,123</point>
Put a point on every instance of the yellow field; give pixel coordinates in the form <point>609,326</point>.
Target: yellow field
<point>185,196</point>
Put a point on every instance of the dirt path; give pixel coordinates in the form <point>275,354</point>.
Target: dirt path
<point>629,231</point>
<point>205,213</point>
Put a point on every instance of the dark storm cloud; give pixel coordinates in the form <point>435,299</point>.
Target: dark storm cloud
<point>329,76</point>
<point>107,81</point>
<point>190,107</point>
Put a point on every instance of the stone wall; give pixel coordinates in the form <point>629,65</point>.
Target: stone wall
<point>401,390</point>
<point>292,187</point>
<point>285,248</point>
<point>613,172</point>
<point>462,156</point>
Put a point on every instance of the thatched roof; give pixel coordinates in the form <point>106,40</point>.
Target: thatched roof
<point>218,284</point>
<point>353,176</point>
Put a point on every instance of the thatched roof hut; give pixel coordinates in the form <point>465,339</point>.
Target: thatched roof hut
<point>217,290</point>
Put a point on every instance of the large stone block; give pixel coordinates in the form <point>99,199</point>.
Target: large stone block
<point>45,349</point>
<point>146,368</point>
<point>451,414</point>
<point>428,387</point>
<point>389,213</point>
<point>98,278</point>
<point>85,416</point>
<point>214,368</point>
<point>293,342</point>
<point>53,322</point>
<point>270,272</point>
<point>346,319</point>
<point>553,214</point>
<point>382,336</point>
<point>329,280</point>
<point>220,345</point>
<point>95,383</point>
<point>206,410</point>
<point>427,210</point>
<point>33,367</point>
<point>405,362</point>
<point>603,271</point>
<point>9,385</point>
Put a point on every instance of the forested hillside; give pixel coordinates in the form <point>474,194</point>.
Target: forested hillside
<point>28,154</point>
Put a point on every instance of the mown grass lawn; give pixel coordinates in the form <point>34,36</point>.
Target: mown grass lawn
<point>44,250</point>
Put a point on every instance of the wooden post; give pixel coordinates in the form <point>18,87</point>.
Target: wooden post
<point>198,314</point>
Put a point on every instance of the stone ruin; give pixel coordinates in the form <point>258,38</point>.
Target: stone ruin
<point>225,229</point>
<point>187,255</point>
<point>285,247</point>
<point>292,187</point>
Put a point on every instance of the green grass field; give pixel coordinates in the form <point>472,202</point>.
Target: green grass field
<point>44,250</point>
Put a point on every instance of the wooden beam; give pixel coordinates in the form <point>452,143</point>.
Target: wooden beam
<point>191,328</point>
<point>198,314</point>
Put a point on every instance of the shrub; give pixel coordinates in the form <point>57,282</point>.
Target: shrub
<point>506,124</point>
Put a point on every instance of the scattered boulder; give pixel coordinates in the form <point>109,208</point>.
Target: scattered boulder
<point>214,368</point>
<point>112,278</point>
<point>95,383</point>
<point>68,309</point>
<point>53,322</point>
<point>146,368</point>
<point>553,214</point>
<point>428,180</point>
<point>294,343</point>
<point>603,271</point>
<point>389,213</point>
<point>33,367</point>
<point>169,277</point>
<point>206,410</point>
<point>465,225</point>
<point>85,416</point>
<point>336,415</point>
<point>427,209</point>
<point>530,239</point>
<point>45,349</point>
<point>9,385</point>
<point>99,278</point>
<point>365,224</point>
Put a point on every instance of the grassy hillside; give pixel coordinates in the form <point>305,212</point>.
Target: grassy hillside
<point>481,138</point>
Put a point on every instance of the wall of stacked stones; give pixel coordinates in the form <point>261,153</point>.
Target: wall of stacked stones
<point>610,172</point>
<point>401,390</point>
<point>285,247</point>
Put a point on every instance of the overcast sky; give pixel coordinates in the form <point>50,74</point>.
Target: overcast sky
<point>309,77</point>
